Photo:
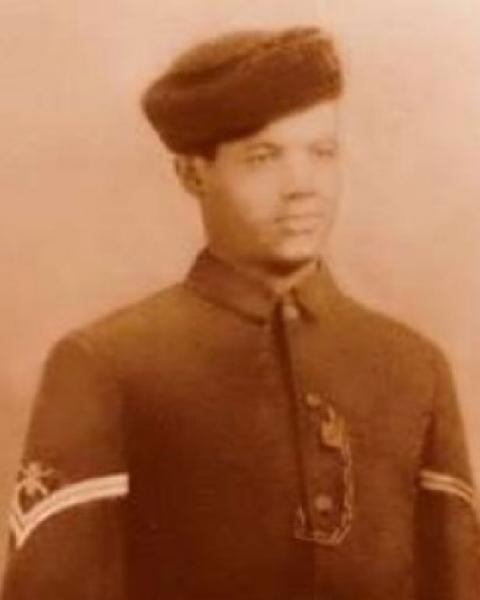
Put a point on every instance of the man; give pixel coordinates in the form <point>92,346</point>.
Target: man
<point>251,433</point>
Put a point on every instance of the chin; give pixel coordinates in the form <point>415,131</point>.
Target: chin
<point>297,251</point>
<point>286,262</point>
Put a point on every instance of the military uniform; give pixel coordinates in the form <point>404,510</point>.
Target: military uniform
<point>219,441</point>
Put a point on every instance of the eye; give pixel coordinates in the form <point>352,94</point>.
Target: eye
<point>257,159</point>
<point>324,151</point>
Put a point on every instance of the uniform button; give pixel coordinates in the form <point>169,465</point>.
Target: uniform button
<point>290,311</point>
<point>323,503</point>
<point>313,400</point>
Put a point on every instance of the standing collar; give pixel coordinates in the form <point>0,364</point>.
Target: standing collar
<point>225,285</point>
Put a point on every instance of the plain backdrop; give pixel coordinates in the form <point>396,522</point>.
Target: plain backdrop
<point>92,216</point>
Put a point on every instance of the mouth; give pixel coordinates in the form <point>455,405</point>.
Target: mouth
<point>301,223</point>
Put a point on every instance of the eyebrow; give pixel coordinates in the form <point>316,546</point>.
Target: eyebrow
<point>261,145</point>
<point>327,142</point>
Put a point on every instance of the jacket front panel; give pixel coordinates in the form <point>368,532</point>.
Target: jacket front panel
<point>211,462</point>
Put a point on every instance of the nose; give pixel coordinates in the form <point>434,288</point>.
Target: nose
<point>297,177</point>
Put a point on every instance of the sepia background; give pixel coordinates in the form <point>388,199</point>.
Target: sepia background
<point>92,217</point>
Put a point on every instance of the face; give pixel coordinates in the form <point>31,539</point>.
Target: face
<point>269,200</point>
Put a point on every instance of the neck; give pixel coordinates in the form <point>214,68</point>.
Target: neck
<point>277,277</point>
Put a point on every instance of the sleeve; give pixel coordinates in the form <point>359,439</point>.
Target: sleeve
<point>448,559</point>
<point>66,518</point>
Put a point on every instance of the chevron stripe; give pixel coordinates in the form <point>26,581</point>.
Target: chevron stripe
<point>448,484</point>
<point>23,524</point>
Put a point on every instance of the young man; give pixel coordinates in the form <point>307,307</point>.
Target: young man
<point>251,433</point>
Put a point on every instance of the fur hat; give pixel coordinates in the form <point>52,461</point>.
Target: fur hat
<point>235,84</point>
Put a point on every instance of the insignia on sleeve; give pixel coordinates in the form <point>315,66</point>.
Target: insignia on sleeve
<point>40,494</point>
<point>450,485</point>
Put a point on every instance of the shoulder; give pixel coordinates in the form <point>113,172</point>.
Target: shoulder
<point>406,350</point>
<point>411,370</point>
<point>127,330</point>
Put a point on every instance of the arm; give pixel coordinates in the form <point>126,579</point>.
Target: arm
<point>448,559</point>
<point>66,520</point>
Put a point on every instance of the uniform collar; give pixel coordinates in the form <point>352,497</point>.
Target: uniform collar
<point>221,283</point>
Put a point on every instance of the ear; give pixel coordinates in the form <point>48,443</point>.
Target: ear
<point>190,173</point>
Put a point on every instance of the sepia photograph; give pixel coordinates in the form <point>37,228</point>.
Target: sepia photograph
<point>240,314</point>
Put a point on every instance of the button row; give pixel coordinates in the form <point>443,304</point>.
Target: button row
<point>313,400</point>
<point>323,503</point>
<point>290,310</point>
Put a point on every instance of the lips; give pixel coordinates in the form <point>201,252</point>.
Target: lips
<point>298,223</point>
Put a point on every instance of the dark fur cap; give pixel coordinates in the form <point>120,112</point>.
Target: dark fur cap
<point>235,84</point>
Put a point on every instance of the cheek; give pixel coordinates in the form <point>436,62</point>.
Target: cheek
<point>328,175</point>
<point>251,198</point>
<point>328,185</point>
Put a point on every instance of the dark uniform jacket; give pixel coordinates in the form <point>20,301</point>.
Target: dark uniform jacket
<point>218,442</point>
